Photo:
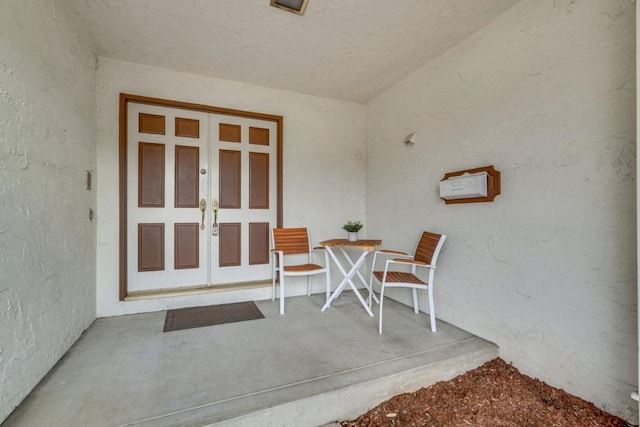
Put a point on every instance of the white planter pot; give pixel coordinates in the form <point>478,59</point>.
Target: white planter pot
<point>353,236</point>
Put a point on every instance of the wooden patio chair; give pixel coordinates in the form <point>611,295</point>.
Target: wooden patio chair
<point>424,260</point>
<point>292,241</point>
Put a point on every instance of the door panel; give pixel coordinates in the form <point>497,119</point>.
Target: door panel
<point>230,178</point>
<point>230,244</point>
<point>151,123</point>
<point>258,243</point>
<point>176,160</point>
<point>164,157</point>
<point>151,167</point>
<point>247,195</point>
<point>189,128</point>
<point>150,247</point>
<point>187,183</point>
<point>187,245</point>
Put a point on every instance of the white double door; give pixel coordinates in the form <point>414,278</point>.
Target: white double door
<point>201,198</point>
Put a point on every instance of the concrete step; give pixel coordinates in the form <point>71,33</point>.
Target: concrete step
<point>339,396</point>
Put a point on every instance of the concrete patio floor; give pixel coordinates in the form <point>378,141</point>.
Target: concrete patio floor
<point>306,368</point>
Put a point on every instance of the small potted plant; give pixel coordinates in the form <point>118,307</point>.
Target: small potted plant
<point>352,228</point>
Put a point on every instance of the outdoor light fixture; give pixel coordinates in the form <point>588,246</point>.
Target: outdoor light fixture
<point>410,139</point>
<point>294,6</point>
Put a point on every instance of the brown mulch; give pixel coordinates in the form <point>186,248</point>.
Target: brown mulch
<point>495,394</point>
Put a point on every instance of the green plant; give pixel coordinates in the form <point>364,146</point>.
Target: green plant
<point>352,226</point>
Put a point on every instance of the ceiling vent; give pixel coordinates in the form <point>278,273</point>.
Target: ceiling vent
<point>295,6</point>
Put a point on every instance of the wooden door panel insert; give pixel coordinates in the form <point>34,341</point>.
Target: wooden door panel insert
<point>188,128</point>
<point>230,179</point>
<point>259,136</point>
<point>187,179</point>
<point>187,245</point>
<point>151,175</point>
<point>229,133</point>
<point>150,247</point>
<point>230,244</point>
<point>258,180</point>
<point>151,123</point>
<point>258,243</point>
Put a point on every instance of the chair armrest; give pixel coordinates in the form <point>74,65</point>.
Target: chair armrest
<point>411,262</point>
<point>388,251</point>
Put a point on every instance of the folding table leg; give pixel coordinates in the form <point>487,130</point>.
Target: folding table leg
<point>364,282</point>
<point>347,280</point>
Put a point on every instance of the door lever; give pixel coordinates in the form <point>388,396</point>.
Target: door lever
<point>214,227</point>
<point>203,208</point>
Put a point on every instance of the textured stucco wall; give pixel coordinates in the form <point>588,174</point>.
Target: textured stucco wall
<point>546,93</point>
<point>324,154</point>
<point>47,244</point>
<point>637,189</point>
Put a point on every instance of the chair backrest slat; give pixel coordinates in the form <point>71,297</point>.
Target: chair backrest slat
<point>427,250</point>
<point>291,240</point>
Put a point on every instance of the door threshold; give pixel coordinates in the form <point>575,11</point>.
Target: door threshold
<point>195,290</point>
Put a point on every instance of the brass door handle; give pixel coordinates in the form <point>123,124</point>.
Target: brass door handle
<point>203,208</point>
<point>214,208</point>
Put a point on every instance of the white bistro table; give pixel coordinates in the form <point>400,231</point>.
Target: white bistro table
<point>367,246</point>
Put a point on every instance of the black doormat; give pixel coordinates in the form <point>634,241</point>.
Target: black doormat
<point>195,317</point>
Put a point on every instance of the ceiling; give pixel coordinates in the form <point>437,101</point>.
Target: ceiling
<point>343,49</point>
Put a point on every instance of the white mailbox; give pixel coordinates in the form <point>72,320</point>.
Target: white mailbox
<point>465,186</point>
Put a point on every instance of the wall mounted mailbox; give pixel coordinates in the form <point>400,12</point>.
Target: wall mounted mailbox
<point>464,186</point>
<point>471,185</point>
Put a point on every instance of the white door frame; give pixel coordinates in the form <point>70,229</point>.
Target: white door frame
<point>635,395</point>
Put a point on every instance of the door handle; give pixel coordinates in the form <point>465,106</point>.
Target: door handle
<point>214,227</point>
<point>203,208</point>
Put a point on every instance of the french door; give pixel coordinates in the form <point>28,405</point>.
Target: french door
<point>201,197</point>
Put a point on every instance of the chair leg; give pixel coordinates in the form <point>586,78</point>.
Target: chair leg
<point>328,290</point>
<point>282,294</point>
<point>416,308</point>
<point>309,285</point>
<point>381,302</point>
<point>432,310</point>
<point>273,285</point>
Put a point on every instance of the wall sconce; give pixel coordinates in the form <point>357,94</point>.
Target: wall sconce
<point>410,139</point>
<point>295,6</point>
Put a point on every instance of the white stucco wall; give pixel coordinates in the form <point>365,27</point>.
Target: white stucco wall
<point>546,93</point>
<point>324,156</point>
<point>47,244</point>
<point>637,189</point>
